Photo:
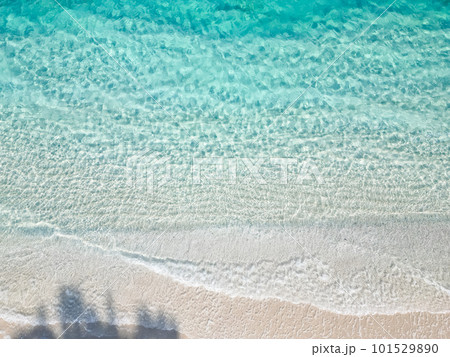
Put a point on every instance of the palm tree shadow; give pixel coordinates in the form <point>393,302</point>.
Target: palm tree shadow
<point>41,330</point>
<point>78,320</point>
<point>146,324</point>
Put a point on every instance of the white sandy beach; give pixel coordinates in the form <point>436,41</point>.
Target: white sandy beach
<point>203,314</point>
<point>54,285</point>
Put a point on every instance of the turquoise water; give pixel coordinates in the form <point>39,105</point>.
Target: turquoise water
<point>92,97</point>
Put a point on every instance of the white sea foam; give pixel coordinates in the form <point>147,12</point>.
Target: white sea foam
<point>346,269</point>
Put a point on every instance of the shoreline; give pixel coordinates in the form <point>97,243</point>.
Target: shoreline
<point>328,268</point>
<point>198,313</point>
<point>52,281</point>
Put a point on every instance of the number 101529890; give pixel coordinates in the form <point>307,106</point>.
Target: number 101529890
<point>404,348</point>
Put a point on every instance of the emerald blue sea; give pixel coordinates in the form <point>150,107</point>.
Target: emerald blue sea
<point>300,142</point>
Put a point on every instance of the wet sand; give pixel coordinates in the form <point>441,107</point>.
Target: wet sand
<point>198,313</point>
<point>50,283</point>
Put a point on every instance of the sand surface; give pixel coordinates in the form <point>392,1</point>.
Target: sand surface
<point>193,312</point>
<point>47,284</point>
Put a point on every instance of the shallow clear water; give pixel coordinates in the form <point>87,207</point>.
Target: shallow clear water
<point>90,102</point>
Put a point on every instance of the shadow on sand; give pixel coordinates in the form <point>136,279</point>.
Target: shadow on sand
<point>71,325</point>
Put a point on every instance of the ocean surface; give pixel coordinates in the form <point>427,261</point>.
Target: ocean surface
<point>297,150</point>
